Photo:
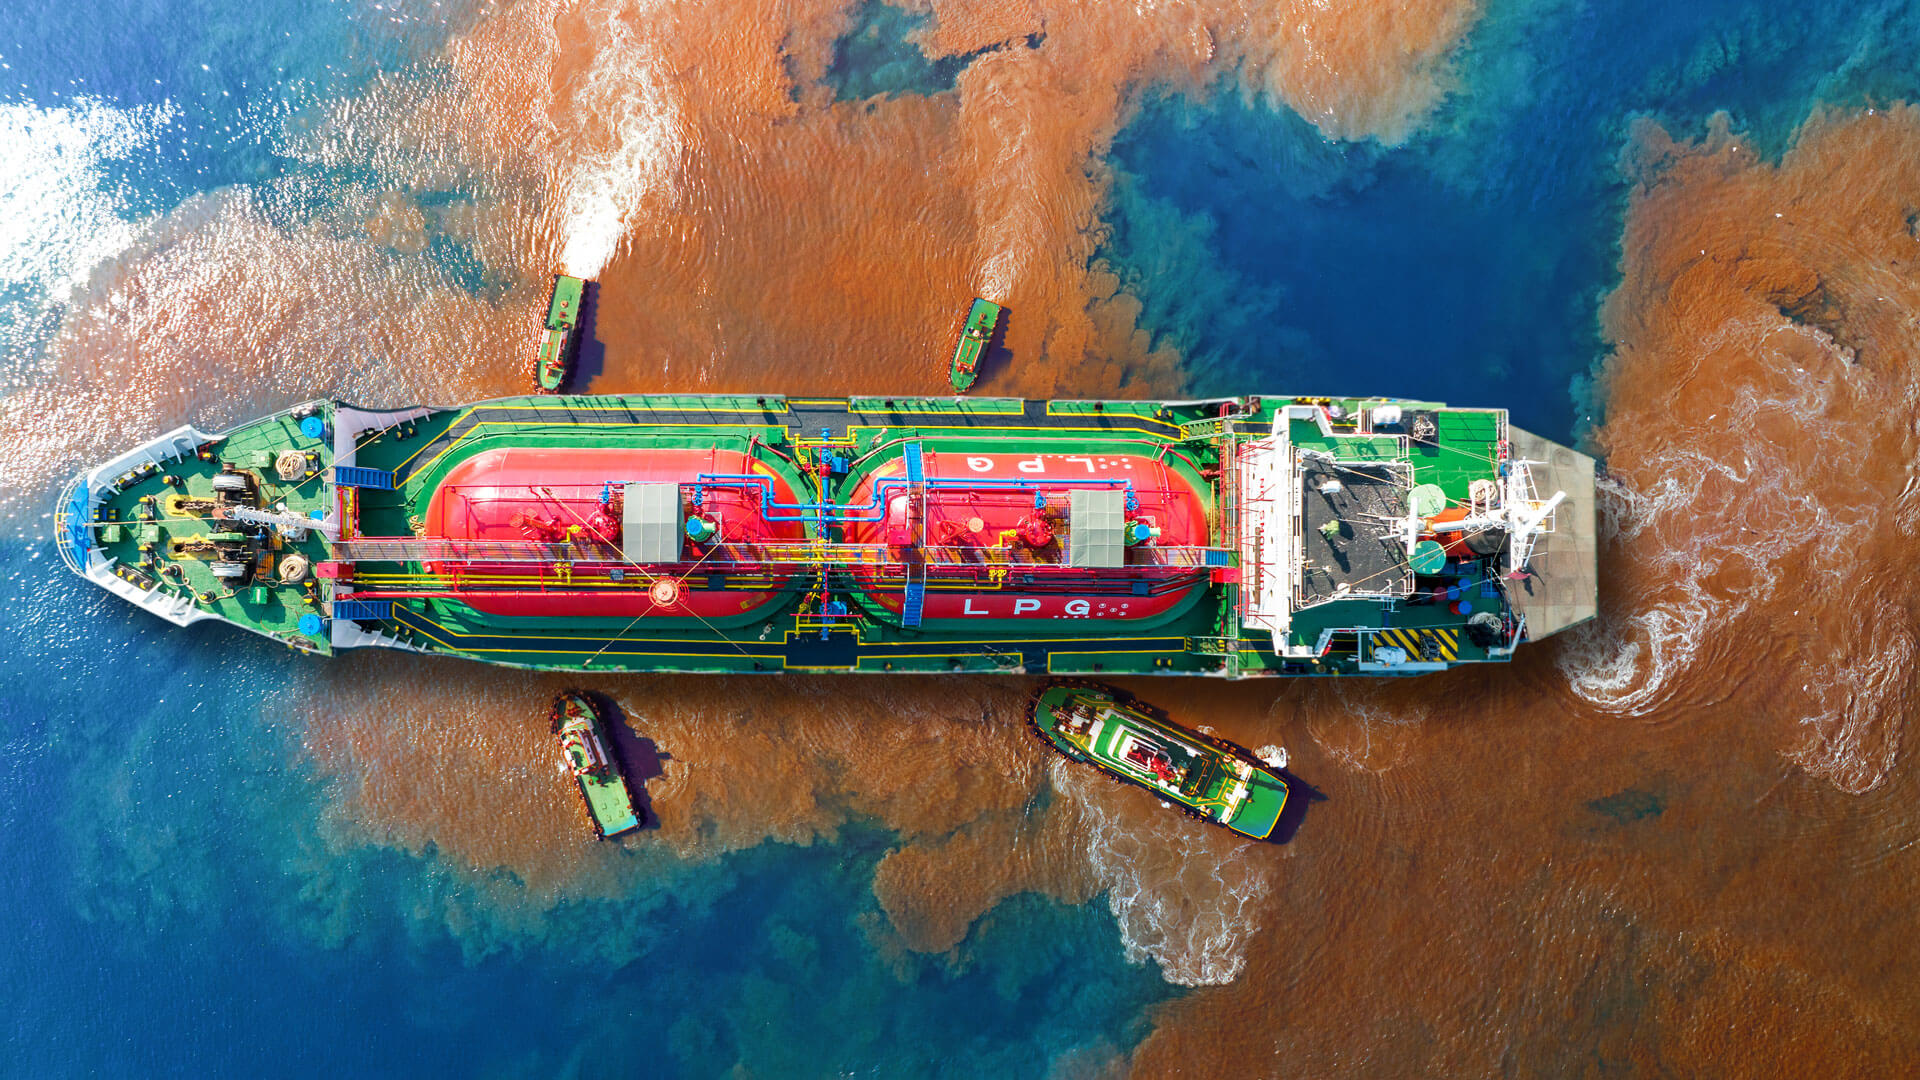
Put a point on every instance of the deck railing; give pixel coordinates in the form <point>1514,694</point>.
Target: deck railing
<point>72,532</point>
<point>795,553</point>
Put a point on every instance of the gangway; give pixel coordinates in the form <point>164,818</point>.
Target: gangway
<point>914,602</point>
<point>916,597</point>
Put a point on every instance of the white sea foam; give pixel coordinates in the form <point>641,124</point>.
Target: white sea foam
<point>628,157</point>
<point>1854,724</point>
<point>996,277</point>
<point>1721,524</point>
<point>1737,523</point>
<point>1186,898</point>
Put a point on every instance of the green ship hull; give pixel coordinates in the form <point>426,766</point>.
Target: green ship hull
<point>983,317</point>
<point>1233,537</point>
<point>588,756</point>
<point>1208,778</point>
<point>557,342</point>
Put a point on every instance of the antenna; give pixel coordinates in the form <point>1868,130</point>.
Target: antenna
<point>1522,515</point>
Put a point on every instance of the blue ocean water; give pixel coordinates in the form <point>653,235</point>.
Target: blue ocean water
<point>1467,265</point>
<point>175,898</point>
<point>179,909</point>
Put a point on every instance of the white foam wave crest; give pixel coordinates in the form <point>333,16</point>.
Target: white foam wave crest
<point>1724,520</point>
<point>1357,732</point>
<point>628,148</point>
<point>1854,730</point>
<point>1624,663</point>
<point>996,277</point>
<point>56,222</point>
<point>1186,895</point>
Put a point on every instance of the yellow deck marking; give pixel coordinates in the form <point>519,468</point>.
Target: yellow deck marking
<point>411,619</point>
<point>475,433</point>
<point>1148,417</point>
<point>1410,639</point>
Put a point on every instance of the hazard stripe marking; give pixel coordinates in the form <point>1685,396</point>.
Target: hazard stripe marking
<point>1411,640</point>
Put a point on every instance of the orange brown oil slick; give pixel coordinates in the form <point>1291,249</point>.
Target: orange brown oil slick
<point>1759,406</point>
<point>1672,842</point>
<point>749,231</point>
<point>466,762</point>
<point>218,315</point>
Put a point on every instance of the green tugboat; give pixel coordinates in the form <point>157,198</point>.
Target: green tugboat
<point>1209,778</point>
<point>553,360</point>
<point>590,759</point>
<point>982,319</point>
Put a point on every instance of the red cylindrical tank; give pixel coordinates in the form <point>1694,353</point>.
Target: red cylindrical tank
<point>496,494</point>
<point>1003,516</point>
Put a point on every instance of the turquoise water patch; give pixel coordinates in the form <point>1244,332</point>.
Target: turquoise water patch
<point>797,988</point>
<point>1629,805</point>
<point>877,56</point>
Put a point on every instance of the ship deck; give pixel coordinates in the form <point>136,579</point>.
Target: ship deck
<point>149,548</point>
<point>1195,631</point>
<point>790,642</point>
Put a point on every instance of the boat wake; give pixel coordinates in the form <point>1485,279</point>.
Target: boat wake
<point>1758,528</point>
<point>1188,896</point>
<point>625,147</point>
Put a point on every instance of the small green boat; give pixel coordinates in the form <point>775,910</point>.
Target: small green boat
<point>553,361</point>
<point>1210,778</point>
<point>982,318</point>
<point>589,757</point>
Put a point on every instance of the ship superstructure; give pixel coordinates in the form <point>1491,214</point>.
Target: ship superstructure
<point>1233,537</point>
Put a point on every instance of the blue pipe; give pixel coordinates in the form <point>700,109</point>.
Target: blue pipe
<point>873,511</point>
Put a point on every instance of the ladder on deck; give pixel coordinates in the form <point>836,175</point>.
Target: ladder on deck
<point>916,468</point>
<point>916,598</point>
<point>1231,601</point>
<point>914,603</point>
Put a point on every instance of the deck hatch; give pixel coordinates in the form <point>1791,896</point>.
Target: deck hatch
<point>651,523</point>
<point>356,610</point>
<point>1096,524</point>
<point>355,476</point>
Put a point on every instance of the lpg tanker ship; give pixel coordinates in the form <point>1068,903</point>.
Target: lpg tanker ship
<point>1232,537</point>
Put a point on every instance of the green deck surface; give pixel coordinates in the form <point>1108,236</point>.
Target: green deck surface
<point>982,317</point>
<point>783,434</point>
<point>1467,450</point>
<point>563,308</point>
<point>265,604</point>
<point>1266,798</point>
<point>553,362</point>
